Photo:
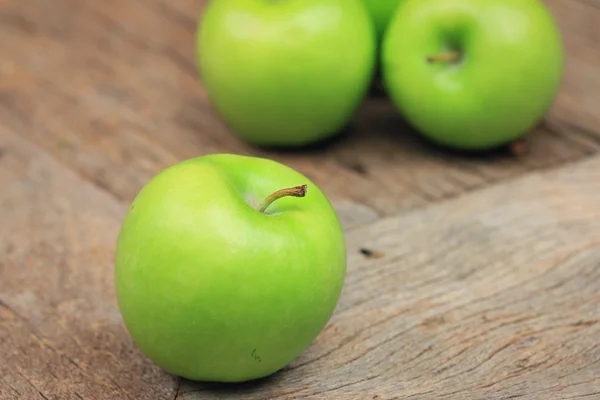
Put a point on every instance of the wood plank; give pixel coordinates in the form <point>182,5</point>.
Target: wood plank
<point>61,333</point>
<point>110,89</point>
<point>577,103</point>
<point>491,295</point>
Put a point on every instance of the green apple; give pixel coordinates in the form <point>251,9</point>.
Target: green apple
<point>227,267</point>
<point>472,74</point>
<point>286,73</point>
<point>382,12</point>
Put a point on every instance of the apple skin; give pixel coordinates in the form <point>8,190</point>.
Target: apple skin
<point>382,12</point>
<point>210,288</point>
<point>286,73</point>
<point>508,77</point>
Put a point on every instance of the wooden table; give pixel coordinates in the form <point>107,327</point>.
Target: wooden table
<point>469,277</point>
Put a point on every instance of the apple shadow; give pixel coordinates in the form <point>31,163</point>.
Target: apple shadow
<point>376,89</point>
<point>378,128</point>
<point>336,139</point>
<point>498,152</point>
<point>380,123</point>
<point>222,389</point>
<point>324,145</point>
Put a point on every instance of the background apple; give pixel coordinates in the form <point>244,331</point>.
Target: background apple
<point>495,68</point>
<point>286,73</point>
<point>212,288</point>
<point>382,12</point>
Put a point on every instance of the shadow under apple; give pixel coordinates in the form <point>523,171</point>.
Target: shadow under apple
<point>324,145</point>
<point>228,390</point>
<point>378,121</point>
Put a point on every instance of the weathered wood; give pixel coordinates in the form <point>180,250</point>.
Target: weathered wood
<point>110,88</point>
<point>495,295</point>
<point>576,104</point>
<point>491,295</point>
<point>61,333</point>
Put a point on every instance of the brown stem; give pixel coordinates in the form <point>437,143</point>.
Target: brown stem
<point>296,191</point>
<point>444,56</point>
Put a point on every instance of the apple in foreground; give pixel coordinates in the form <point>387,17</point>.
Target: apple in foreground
<point>472,74</point>
<point>228,267</point>
<point>382,12</point>
<point>286,73</point>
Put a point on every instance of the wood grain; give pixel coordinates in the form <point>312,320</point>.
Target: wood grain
<point>61,334</point>
<point>495,294</point>
<point>576,104</point>
<point>110,89</point>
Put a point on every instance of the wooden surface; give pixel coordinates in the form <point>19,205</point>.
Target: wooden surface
<point>483,279</point>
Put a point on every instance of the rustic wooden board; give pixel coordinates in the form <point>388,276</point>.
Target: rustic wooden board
<point>492,295</point>
<point>110,88</point>
<point>61,334</point>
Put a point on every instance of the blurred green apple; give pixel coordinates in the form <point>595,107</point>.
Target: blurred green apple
<point>228,267</point>
<point>286,73</point>
<point>472,74</point>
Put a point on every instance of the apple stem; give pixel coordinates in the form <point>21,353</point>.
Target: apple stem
<point>444,56</point>
<point>296,191</point>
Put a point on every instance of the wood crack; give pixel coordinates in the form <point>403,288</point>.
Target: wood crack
<point>42,395</point>
<point>178,388</point>
<point>11,387</point>
<point>581,396</point>
<point>45,344</point>
<point>350,339</point>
